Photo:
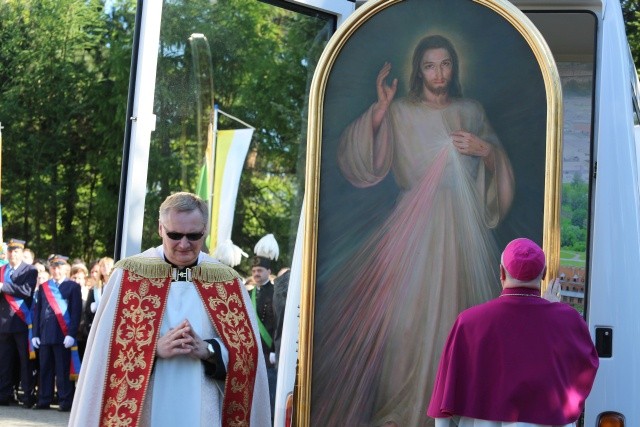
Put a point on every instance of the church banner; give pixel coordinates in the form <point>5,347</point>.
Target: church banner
<point>219,184</point>
<point>231,151</point>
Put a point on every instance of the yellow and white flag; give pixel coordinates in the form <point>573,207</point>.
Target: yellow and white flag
<point>220,176</point>
<point>231,151</point>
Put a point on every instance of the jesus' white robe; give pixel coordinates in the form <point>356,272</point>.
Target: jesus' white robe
<point>391,305</point>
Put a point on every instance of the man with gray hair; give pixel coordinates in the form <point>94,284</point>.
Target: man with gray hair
<point>175,340</point>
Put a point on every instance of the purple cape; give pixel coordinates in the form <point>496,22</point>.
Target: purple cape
<point>516,358</point>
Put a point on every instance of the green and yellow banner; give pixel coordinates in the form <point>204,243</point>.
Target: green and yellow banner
<point>220,185</point>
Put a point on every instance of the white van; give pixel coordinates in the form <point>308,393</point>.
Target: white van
<point>588,42</point>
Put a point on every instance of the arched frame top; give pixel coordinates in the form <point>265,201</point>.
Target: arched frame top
<point>552,168</point>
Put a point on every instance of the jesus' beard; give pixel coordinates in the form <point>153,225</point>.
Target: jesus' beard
<point>442,90</point>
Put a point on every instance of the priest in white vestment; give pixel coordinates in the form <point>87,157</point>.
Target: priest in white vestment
<point>196,363</point>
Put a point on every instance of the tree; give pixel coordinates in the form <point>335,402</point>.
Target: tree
<point>573,221</point>
<point>64,69</point>
<point>263,58</point>
<point>61,72</point>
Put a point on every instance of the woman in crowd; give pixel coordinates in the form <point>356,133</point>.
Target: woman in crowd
<point>104,267</point>
<point>80,275</point>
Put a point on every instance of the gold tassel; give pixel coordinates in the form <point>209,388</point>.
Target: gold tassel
<point>208,272</point>
<point>156,268</point>
<point>150,268</point>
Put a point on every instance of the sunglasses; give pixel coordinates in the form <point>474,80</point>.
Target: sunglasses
<point>192,237</point>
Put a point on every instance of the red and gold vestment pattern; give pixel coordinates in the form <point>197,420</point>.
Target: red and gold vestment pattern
<point>141,303</point>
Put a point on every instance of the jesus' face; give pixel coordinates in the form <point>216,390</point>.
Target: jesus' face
<point>436,69</point>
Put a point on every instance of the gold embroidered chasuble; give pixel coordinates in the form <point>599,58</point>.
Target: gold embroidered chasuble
<point>141,304</point>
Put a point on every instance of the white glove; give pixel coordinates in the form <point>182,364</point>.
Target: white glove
<point>272,358</point>
<point>94,307</point>
<point>552,293</point>
<point>36,342</point>
<point>68,341</point>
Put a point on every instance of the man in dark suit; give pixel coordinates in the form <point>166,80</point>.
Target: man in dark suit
<point>17,283</point>
<point>263,296</point>
<point>56,319</point>
<point>266,251</point>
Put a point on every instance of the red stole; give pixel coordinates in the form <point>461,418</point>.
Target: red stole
<point>138,315</point>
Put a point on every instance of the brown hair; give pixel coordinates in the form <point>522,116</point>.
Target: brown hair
<point>79,267</point>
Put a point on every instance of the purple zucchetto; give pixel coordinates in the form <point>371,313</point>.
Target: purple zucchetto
<point>523,259</point>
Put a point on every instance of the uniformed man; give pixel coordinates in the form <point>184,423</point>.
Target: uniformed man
<point>56,319</point>
<point>17,284</point>
<point>266,251</point>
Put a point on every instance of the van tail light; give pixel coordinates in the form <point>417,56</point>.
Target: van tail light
<point>610,419</point>
<point>288,410</point>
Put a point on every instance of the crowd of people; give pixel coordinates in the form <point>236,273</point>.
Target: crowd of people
<point>47,308</point>
<point>174,321</point>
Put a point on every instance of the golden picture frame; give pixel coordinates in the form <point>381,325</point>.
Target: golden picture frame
<point>391,257</point>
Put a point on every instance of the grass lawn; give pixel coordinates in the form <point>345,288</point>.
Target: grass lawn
<point>572,258</point>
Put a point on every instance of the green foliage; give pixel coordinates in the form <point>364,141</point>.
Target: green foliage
<point>573,220</point>
<point>64,68</point>
<point>262,60</point>
<point>631,15</point>
<point>64,71</point>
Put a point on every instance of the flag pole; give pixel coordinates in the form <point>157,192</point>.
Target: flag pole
<point>208,158</point>
<point>228,154</point>
<point>213,238</point>
<point>236,119</point>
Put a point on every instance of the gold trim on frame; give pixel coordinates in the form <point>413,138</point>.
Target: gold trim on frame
<point>551,219</point>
